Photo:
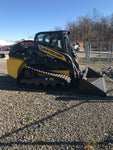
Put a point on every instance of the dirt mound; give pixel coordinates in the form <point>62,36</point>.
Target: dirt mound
<point>2,55</point>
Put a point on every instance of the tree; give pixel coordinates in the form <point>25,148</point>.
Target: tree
<point>97,27</point>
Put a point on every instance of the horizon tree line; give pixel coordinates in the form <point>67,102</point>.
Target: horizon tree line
<point>91,28</point>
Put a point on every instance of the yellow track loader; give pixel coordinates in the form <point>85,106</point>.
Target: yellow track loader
<point>49,60</point>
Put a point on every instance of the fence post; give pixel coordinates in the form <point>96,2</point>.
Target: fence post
<point>88,46</point>
<point>108,55</point>
<point>100,49</point>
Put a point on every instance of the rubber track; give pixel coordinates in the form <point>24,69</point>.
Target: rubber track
<point>62,77</point>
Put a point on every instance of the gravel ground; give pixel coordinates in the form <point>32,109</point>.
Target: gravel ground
<point>32,119</point>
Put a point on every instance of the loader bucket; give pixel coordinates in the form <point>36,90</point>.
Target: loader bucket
<point>92,83</point>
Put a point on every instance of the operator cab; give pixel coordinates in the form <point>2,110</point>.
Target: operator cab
<point>57,40</point>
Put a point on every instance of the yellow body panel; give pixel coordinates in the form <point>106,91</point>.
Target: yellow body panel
<point>13,65</point>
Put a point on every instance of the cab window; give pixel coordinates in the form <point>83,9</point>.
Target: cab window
<point>52,40</point>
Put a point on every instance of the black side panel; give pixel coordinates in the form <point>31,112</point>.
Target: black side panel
<point>21,49</point>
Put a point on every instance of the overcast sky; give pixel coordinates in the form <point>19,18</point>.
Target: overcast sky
<point>20,19</point>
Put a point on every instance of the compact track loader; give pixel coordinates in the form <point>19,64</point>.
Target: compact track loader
<point>49,60</point>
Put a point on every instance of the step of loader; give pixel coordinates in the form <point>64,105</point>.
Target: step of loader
<point>92,83</point>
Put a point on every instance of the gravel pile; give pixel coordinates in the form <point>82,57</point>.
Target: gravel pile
<point>32,119</point>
